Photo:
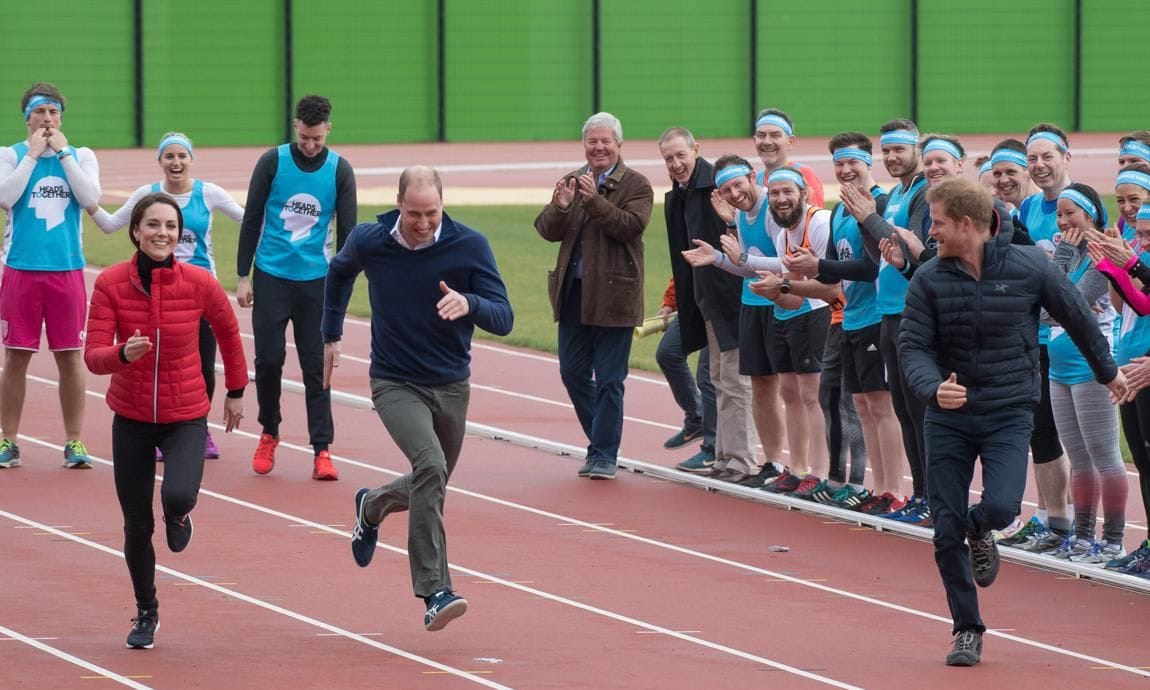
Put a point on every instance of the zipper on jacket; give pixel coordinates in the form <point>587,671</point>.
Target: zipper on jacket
<point>156,382</point>
<point>977,329</point>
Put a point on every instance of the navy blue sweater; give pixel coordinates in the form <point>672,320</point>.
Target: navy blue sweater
<point>409,341</point>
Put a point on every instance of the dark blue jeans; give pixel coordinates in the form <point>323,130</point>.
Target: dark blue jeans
<point>954,440</point>
<point>601,352</point>
<point>693,394</point>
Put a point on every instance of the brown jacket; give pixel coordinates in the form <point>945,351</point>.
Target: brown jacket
<point>612,247</point>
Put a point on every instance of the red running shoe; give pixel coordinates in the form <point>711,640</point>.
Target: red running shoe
<point>784,484</point>
<point>265,458</point>
<point>324,470</point>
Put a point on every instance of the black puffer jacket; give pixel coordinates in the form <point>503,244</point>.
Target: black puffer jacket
<point>986,331</point>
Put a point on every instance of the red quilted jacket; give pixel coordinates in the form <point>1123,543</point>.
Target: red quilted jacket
<point>164,385</point>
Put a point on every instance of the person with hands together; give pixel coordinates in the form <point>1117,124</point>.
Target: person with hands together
<point>970,352</point>
<point>45,183</point>
<point>597,215</point>
<point>432,281</point>
<point>158,397</point>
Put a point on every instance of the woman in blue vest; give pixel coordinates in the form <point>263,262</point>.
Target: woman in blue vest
<point>197,200</point>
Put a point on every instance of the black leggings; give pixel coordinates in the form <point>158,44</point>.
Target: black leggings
<point>208,357</point>
<point>907,408</point>
<point>1136,427</point>
<point>134,446</point>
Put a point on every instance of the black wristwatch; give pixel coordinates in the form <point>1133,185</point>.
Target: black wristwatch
<point>785,286</point>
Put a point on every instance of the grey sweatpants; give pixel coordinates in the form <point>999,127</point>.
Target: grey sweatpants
<point>428,424</point>
<point>1088,426</point>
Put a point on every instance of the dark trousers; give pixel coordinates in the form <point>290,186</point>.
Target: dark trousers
<point>1136,427</point>
<point>954,440</point>
<point>907,408</point>
<point>208,357</point>
<point>693,393</point>
<point>602,352</point>
<point>134,447</point>
<point>276,302</point>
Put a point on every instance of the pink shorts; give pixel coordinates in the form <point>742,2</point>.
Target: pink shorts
<point>35,301</point>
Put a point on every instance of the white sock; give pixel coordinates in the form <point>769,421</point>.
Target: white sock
<point>1042,517</point>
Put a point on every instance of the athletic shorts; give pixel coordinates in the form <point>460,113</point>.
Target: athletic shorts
<point>863,367</point>
<point>1045,445</point>
<point>799,342</point>
<point>756,331</point>
<point>832,376</point>
<point>33,302</point>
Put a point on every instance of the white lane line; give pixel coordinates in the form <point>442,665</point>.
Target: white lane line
<point>258,602</point>
<point>644,540</point>
<point>74,660</point>
<point>295,519</point>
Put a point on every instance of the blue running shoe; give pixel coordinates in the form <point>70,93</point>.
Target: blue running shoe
<point>9,454</point>
<point>699,463</point>
<point>364,537</point>
<point>1121,565</point>
<point>442,608</point>
<point>76,455</point>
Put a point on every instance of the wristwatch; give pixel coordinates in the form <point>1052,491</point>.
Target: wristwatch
<point>785,286</point>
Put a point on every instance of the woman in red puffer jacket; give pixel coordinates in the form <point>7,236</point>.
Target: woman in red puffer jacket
<point>143,329</point>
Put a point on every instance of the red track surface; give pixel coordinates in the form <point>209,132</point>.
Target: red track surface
<point>637,583</point>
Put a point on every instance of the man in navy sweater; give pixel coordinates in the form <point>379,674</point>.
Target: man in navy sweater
<point>431,281</point>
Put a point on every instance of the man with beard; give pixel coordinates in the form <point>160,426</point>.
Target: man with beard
<point>738,194</point>
<point>708,307</point>
<point>906,208</point>
<point>800,323</point>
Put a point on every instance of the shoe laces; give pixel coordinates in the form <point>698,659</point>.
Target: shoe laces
<point>966,641</point>
<point>73,447</point>
<point>981,554</point>
<point>144,620</point>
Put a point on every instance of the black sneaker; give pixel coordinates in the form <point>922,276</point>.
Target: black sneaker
<point>442,608</point>
<point>967,649</point>
<point>983,559</point>
<point>144,627</point>
<point>179,532</point>
<point>365,535</point>
<point>765,474</point>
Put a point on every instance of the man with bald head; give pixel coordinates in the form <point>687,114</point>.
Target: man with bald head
<point>432,281</point>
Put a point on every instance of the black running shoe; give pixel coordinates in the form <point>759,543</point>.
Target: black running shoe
<point>179,532</point>
<point>144,627</point>
<point>967,649</point>
<point>983,559</point>
<point>765,474</point>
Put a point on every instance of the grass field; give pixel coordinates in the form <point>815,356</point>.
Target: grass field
<point>524,259</point>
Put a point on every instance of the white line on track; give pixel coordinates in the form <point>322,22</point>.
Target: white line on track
<point>253,600</point>
<point>75,660</point>
<point>295,519</point>
<point>556,517</point>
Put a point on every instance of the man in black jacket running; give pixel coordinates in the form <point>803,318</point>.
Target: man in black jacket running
<point>970,352</point>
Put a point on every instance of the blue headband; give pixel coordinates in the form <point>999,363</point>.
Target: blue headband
<point>1134,177</point>
<point>1049,136</point>
<point>985,168</point>
<point>777,121</point>
<point>787,175</point>
<point>1135,148</point>
<point>1144,212</point>
<point>899,136</point>
<point>1081,199</point>
<point>174,139</point>
<point>851,152</point>
<point>942,145</point>
<point>1008,156</point>
<point>39,100</point>
<point>729,173</point>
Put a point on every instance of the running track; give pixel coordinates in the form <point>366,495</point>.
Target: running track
<point>635,583</point>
